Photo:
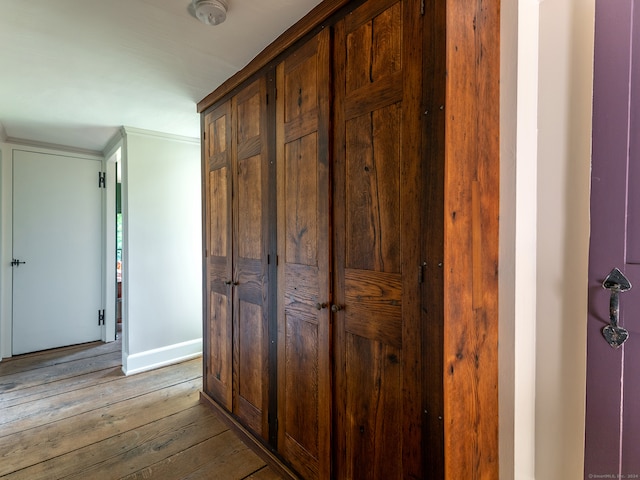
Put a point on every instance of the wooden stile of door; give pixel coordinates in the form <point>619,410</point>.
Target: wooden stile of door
<point>376,204</point>
<point>304,366</point>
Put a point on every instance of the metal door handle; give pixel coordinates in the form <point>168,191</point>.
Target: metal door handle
<point>336,308</point>
<point>616,283</point>
<point>16,263</point>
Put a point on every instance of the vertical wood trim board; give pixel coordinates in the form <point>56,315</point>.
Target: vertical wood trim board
<point>472,163</point>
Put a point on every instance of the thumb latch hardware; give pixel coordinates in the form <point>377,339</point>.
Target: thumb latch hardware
<point>616,283</point>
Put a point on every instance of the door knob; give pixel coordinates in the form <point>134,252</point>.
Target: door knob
<point>336,308</point>
<point>320,306</point>
<point>616,283</point>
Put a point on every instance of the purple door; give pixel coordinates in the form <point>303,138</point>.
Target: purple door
<point>612,443</point>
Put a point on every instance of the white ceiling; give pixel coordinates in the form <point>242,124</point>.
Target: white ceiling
<point>73,71</point>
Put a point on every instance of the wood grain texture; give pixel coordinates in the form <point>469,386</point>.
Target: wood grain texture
<point>374,400</point>
<point>411,149</point>
<point>373,197</point>
<point>251,336</point>
<point>102,424</point>
<point>302,129</point>
<point>472,158</point>
<point>218,362</point>
<point>249,198</point>
<point>19,387</point>
<point>236,187</point>
<point>218,268</point>
<point>377,223</point>
<point>275,464</point>
<point>218,212</point>
<point>228,461</point>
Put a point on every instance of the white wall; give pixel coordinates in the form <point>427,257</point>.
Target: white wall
<point>564,166</point>
<point>162,273</point>
<point>519,31</point>
<point>546,237</point>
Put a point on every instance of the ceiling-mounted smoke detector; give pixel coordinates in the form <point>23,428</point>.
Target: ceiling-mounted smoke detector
<point>211,12</point>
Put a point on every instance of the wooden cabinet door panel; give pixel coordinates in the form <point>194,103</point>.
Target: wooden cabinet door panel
<point>376,239</point>
<point>304,377</point>
<point>250,223</point>
<point>218,259</point>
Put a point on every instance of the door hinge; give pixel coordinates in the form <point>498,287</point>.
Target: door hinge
<point>101,317</point>
<point>421,7</point>
<point>102,180</point>
<point>204,135</point>
<point>273,422</point>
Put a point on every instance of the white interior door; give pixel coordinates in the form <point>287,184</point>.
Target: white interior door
<point>57,220</point>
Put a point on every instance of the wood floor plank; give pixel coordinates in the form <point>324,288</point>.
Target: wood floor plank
<point>71,413</point>
<point>50,390</point>
<point>21,417</point>
<point>42,443</point>
<point>25,363</point>
<point>223,457</point>
<point>50,373</point>
<point>167,442</point>
<point>265,473</point>
<point>131,450</point>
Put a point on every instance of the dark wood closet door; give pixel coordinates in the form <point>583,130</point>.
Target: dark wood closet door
<point>218,306</point>
<point>304,381</point>
<point>249,282</point>
<point>377,231</point>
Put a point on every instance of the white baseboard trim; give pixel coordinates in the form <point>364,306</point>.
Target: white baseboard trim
<point>161,357</point>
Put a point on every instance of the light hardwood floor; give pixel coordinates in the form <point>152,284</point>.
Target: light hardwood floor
<point>71,413</point>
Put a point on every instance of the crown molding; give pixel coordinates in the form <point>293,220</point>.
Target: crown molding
<point>151,133</point>
<point>21,142</point>
<point>113,144</point>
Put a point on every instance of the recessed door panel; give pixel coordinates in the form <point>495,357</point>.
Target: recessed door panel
<point>373,194</point>
<point>249,181</point>
<point>251,361</point>
<point>374,427</point>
